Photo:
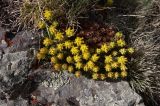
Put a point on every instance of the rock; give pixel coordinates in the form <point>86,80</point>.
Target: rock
<point>2,32</point>
<point>3,44</point>
<point>86,92</point>
<point>15,65</point>
<point>18,102</point>
<point>16,60</point>
<point>13,68</point>
<point>22,41</point>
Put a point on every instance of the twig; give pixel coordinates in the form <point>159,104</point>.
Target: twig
<point>139,16</point>
<point>104,8</point>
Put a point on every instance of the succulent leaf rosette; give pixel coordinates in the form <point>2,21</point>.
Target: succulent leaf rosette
<point>69,52</point>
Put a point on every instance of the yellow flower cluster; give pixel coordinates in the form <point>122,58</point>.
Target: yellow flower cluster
<point>109,2</point>
<point>48,14</point>
<point>47,42</point>
<point>77,58</point>
<point>60,47</point>
<point>68,44</point>
<point>71,53</point>
<point>95,58</point>
<point>86,55</point>
<point>121,43</point>
<point>79,41</point>
<point>54,59</point>
<point>41,24</point>
<point>42,53</point>
<point>69,59</point>
<point>59,36</point>
<point>69,32</point>
<point>119,35</point>
<point>104,48</point>
<point>52,29</point>
<point>74,50</point>
<point>84,48</point>
<point>52,51</point>
<point>40,56</point>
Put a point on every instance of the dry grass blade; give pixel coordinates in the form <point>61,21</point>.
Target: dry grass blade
<point>146,40</point>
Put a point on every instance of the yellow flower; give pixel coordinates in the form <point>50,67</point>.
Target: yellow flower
<point>60,46</point>
<point>74,50</point>
<point>47,42</point>
<point>68,44</point>
<point>43,50</point>
<point>60,56</point>
<point>109,2</point>
<point>84,48</point>
<point>110,75</point>
<point>130,50</point>
<point>95,76</point>
<point>116,75</point>
<point>114,53</point>
<point>90,64</point>
<point>119,34</point>
<point>70,69</point>
<point>86,55</point>
<point>102,76</point>
<point>77,58</point>
<point>86,68</point>
<point>79,65</point>
<point>123,67</point>
<point>114,65</point>
<point>64,66</point>
<point>59,36</point>
<point>122,60</point>
<point>111,44</point>
<point>48,15</point>
<point>108,67</point>
<point>77,74</point>
<point>104,48</point>
<point>52,30</point>
<point>69,59</point>
<point>79,41</point>
<point>52,51</point>
<point>54,59</point>
<point>69,32</point>
<point>55,24</point>
<point>98,51</point>
<point>95,69</point>
<point>108,59</point>
<point>40,56</point>
<point>122,51</point>
<point>41,24</point>
<point>121,43</point>
<point>124,74</point>
<point>94,58</point>
<point>57,67</point>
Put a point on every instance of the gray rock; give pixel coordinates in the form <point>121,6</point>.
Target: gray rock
<point>14,68</point>
<point>23,41</point>
<point>18,102</point>
<point>3,44</point>
<point>15,64</point>
<point>86,92</point>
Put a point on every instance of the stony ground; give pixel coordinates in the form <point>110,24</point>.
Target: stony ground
<point>22,84</point>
